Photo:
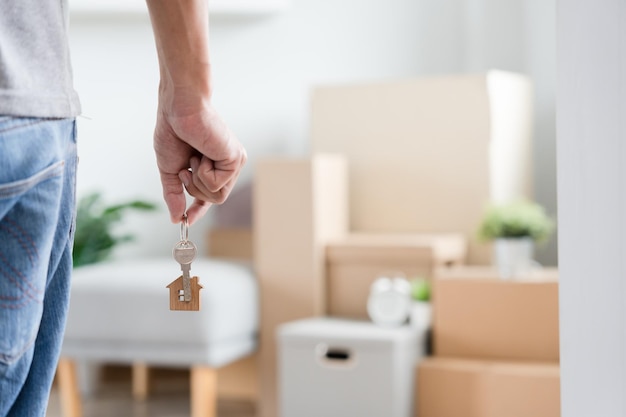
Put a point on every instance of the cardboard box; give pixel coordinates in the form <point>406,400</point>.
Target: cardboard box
<point>468,388</point>
<point>488,272</point>
<point>477,315</point>
<point>448,388</point>
<point>427,153</point>
<point>299,205</point>
<point>355,261</point>
<point>230,243</point>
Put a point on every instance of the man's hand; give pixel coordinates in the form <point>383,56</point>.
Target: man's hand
<point>194,148</point>
<point>193,145</point>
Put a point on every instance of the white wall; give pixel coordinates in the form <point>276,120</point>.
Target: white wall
<point>592,206</point>
<point>519,35</point>
<point>265,67</point>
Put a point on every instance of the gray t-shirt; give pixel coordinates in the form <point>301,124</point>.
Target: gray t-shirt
<point>35,69</point>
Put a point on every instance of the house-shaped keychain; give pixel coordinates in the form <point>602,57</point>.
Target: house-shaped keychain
<point>177,295</point>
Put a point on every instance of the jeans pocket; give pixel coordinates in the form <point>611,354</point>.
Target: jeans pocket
<point>15,188</point>
<point>29,209</point>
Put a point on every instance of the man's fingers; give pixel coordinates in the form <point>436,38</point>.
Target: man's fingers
<point>174,196</point>
<point>196,188</point>
<point>202,181</point>
<point>200,206</point>
<point>212,176</point>
<point>197,209</point>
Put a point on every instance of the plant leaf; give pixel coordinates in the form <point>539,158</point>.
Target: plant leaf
<point>93,238</point>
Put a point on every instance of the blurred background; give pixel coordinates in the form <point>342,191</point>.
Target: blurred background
<point>292,77</point>
<point>267,57</point>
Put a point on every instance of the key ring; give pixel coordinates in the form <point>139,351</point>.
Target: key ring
<point>184,229</point>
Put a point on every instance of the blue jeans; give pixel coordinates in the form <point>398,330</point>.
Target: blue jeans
<point>37,205</point>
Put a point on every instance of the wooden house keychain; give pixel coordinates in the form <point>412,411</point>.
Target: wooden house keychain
<point>185,290</point>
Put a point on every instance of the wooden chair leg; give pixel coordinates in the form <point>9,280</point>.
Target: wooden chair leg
<point>141,381</point>
<point>203,392</point>
<point>68,388</point>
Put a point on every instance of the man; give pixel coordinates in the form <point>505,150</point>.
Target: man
<point>195,151</point>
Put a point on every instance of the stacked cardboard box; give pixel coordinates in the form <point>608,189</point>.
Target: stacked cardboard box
<point>306,261</point>
<point>299,206</point>
<point>356,260</point>
<point>496,346</point>
<point>425,153</point>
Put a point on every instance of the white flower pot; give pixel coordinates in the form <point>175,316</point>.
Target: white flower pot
<point>421,315</point>
<point>514,257</point>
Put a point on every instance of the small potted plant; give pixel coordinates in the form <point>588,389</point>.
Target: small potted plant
<point>515,228</point>
<point>94,239</point>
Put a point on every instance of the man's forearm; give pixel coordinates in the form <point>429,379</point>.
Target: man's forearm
<point>181,32</point>
<point>195,149</point>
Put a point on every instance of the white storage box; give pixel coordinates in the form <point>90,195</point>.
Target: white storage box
<point>340,368</point>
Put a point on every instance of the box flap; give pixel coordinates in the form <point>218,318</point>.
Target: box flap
<point>366,247</point>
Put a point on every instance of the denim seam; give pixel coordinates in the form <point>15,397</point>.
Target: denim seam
<point>20,126</point>
<point>22,238</point>
<point>15,188</point>
<point>7,306</point>
<point>31,292</point>
<point>9,359</point>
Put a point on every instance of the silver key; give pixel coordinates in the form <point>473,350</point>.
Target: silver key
<point>184,253</point>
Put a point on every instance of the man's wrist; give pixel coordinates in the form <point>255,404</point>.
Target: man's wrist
<point>187,81</point>
<point>183,100</point>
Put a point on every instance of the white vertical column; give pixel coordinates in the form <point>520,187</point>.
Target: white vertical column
<point>591,144</point>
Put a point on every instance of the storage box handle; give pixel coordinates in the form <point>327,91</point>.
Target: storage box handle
<point>337,354</point>
<point>334,355</point>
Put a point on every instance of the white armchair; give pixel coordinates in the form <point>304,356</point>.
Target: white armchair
<point>120,314</point>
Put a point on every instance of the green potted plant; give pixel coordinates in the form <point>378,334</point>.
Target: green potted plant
<point>94,238</point>
<point>515,228</point>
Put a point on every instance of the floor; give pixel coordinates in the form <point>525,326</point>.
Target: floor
<point>169,398</point>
